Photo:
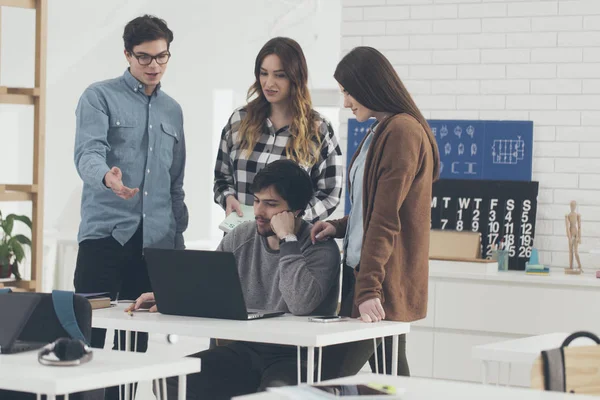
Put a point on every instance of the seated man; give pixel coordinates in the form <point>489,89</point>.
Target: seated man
<point>280,270</point>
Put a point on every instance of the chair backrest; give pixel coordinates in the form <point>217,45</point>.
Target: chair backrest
<point>581,370</point>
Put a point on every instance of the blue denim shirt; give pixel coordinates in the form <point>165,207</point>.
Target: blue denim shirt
<point>119,125</point>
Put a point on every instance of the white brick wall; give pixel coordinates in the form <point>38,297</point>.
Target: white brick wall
<point>536,60</point>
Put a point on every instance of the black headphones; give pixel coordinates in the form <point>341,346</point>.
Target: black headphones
<point>67,352</point>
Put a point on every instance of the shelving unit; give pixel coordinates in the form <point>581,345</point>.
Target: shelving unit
<point>35,97</point>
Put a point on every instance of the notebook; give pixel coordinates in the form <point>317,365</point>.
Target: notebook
<point>234,220</point>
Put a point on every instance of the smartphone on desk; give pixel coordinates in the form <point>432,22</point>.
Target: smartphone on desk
<point>327,318</point>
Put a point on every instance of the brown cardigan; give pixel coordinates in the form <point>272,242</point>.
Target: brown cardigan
<point>394,261</point>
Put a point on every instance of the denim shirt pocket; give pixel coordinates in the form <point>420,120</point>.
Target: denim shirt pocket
<point>122,136</point>
<point>168,139</point>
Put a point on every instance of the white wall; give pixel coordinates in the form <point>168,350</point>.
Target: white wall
<point>213,51</point>
<point>501,59</point>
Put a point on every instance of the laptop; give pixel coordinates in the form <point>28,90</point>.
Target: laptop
<point>197,283</point>
<point>15,311</point>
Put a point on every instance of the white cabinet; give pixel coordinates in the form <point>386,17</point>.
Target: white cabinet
<point>466,309</point>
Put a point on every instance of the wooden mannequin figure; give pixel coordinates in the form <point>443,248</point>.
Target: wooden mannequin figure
<point>573,225</point>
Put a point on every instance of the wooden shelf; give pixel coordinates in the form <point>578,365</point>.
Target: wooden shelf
<point>20,285</point>
<point>17,192</point>
<point>18,3</point>
<point>18,95</point>
<point>36,97</point>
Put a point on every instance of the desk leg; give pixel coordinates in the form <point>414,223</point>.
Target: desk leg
<point>375,352</point>
<point>156,383</point>
<point>383,353</point>
<point>484,372</point>
<point>319,365</point>
<point>164,388</point>
<point>310,366</point>
<point>299,364</point>
<point>38,397</point>
<point>182,387</point>
<point>395,340</point>
<point>50,397</point>
<point>508,379</point>
<point>128,348</point>
<point>499,373</point>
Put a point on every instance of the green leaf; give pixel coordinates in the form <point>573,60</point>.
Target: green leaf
<point>18,250</point>
<point>23,218</point>
<point>8,225</point>
<point>22,239</point>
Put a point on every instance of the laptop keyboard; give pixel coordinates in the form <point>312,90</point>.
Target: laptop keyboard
<point>25,346</point>
<point>254,315</point>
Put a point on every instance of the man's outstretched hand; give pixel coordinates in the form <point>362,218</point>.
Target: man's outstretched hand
<point>114,180</point>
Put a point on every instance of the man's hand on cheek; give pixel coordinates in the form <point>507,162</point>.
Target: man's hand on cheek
<point>283,224</point>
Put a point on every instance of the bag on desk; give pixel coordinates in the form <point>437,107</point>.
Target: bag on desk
<point>572,369</point>
<point>44,325</point>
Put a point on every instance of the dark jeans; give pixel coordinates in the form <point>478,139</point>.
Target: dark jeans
<point>103,265</point>
<point>240,368</point>
<point>348,358</point>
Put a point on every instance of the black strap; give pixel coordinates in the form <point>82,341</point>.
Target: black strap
<point>578,335</point>
<point>553,362</point>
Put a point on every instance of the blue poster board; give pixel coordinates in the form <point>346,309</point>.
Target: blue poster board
<point>488,150</point>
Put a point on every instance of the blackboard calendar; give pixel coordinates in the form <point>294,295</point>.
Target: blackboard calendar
<point>502,211</point>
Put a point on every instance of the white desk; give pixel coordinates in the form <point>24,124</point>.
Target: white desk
<point>284,330</point>
<point>432,389</point>
<point>22,372</point>
<point>519,351</point>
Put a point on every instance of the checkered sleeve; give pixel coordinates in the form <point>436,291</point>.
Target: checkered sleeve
<point>224,184</point>
<point>327,175</point>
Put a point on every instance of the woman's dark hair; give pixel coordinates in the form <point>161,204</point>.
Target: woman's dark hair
<point>290,181</point>
<point>304,142</point>
<point>368,76</point>
<point>146,29</point>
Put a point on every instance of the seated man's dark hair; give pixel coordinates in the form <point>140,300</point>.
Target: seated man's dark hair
<point>290,181</point>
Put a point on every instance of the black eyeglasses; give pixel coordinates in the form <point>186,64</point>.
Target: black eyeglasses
<point>145,59</point>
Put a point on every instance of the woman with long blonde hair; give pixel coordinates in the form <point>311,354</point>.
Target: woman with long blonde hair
<point>278,122</point>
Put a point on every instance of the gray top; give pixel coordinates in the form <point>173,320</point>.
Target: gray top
<point>119,125</point>
<point>300,278</point>
<point>354,231</point>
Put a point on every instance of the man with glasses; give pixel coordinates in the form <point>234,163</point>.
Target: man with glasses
<point>130,154</point>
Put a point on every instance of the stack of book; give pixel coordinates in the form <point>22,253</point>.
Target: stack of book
<point>537,269</point>
<point>97,300</point>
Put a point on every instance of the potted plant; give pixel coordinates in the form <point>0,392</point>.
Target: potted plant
<point>11,246</point>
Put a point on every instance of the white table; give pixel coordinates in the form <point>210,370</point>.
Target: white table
<point>284,330</point>
<point>22,372</point>
<point>518,351</point>
<point>432,389</point>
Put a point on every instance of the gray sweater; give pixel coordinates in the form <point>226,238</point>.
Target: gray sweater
<point>300,278</point>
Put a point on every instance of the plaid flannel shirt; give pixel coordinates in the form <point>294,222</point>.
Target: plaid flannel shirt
<point>235,171</point>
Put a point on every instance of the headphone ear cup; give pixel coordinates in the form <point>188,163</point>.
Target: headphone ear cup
<point>69,349</point>
<point>70,352</point>
<point>60,348</point>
